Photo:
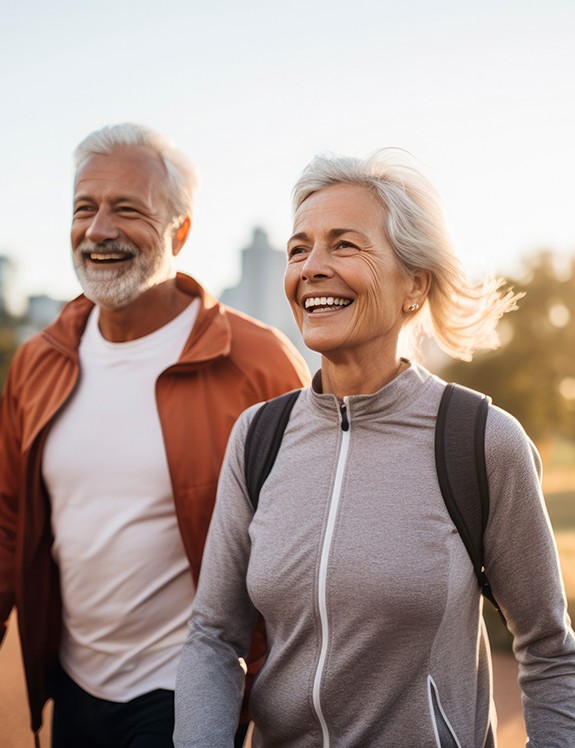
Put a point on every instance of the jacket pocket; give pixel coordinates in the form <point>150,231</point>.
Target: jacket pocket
<point>445,736</point>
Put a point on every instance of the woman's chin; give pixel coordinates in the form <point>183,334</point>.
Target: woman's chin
<point>320,344</point>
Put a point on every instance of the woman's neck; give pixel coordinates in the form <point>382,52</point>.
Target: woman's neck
<point>357,377</point>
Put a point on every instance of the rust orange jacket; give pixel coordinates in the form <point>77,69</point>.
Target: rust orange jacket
<point>229,362</point>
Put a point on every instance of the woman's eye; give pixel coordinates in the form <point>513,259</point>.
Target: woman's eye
<point>294,251</point>
<point>345,246</point>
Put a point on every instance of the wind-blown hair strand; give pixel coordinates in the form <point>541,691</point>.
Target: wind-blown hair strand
<point>459,315</point>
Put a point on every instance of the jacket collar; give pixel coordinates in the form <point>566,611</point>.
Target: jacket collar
<point>210,337</point>
<point>390,399</point>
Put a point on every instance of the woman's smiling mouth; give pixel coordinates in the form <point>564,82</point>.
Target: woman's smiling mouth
<point>315,304</point>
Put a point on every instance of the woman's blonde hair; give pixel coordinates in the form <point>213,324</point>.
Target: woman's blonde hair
<point>459,315</point>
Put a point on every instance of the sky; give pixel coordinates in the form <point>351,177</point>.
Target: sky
<point>482,94</point>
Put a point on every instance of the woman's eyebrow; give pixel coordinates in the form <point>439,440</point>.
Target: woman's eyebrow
<point>332,233</point>
<point>338,232</point>
<point>299,235</point>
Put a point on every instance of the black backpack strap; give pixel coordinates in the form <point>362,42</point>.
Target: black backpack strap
<point>265,434</point>
<point>461,471</point>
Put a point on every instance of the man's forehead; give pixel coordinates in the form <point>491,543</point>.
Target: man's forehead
<point>132,169</point>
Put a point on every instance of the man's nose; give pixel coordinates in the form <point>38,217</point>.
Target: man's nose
<point>102,227</point>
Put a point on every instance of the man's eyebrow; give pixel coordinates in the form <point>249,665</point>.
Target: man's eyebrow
<point>83,198</point>
<point>115,201</point>
<point>131,200</point>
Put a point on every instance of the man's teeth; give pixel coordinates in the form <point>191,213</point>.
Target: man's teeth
<point>326,301</point>
<point>107,256</point>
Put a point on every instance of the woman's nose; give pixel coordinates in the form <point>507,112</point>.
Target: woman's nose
<point>317,264</point>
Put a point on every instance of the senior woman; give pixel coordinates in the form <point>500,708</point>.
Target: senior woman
<point>372,609</point>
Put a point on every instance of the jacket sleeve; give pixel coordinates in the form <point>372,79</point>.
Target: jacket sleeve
<point>523,567</point>
<point>9,478</point>
<point>210,680</point>
<point>288,372</point>
<point>267,359</point>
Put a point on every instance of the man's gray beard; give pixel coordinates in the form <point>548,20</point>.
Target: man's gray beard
<point>115,286</point>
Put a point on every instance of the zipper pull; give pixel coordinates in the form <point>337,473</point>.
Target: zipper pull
<point>344,418</point>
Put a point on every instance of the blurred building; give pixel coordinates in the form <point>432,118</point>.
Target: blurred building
<point>260,291</point>
<point>42,310</point>
<point>25,316</point>
<point>11,302</point>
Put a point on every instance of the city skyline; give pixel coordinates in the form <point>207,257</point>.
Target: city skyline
<point>481,96</point>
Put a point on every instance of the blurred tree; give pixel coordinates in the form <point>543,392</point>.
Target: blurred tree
<point>532,375</point>
<point>8,344</point>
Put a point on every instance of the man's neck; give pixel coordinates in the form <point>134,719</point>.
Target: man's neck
<point>151,310</point>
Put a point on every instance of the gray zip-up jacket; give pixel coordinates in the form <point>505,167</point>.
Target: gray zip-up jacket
<point>372,609</point>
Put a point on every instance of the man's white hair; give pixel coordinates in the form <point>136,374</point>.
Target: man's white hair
<point>181,176</point>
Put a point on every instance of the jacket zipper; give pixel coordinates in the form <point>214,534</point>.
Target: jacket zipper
<point>322,601</point>
<point>343,413</point>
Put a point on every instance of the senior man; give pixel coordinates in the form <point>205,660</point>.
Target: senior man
<point>114,422</point>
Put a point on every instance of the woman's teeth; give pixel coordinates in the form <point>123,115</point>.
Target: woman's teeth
<point>325,301</point>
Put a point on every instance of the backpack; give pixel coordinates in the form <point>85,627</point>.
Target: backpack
<point>459,460</point>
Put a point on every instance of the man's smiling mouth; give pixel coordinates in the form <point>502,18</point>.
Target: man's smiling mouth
<point>107,254</point>
<point>107,257</point>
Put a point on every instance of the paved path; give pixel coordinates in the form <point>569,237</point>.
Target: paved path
<point>14,724</point>
<point>511,727</point>
<point>14,731</point>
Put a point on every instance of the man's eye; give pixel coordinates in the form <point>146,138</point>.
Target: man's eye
<point>82,209</point>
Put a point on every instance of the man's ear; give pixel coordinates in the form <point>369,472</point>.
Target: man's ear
<point>180,234</point>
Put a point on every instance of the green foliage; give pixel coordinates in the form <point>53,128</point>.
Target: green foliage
<point>532,375</point>
<point>8,345</point>
<point>561,506</point>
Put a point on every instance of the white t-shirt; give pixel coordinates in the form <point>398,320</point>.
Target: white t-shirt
<point>126,584</point>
